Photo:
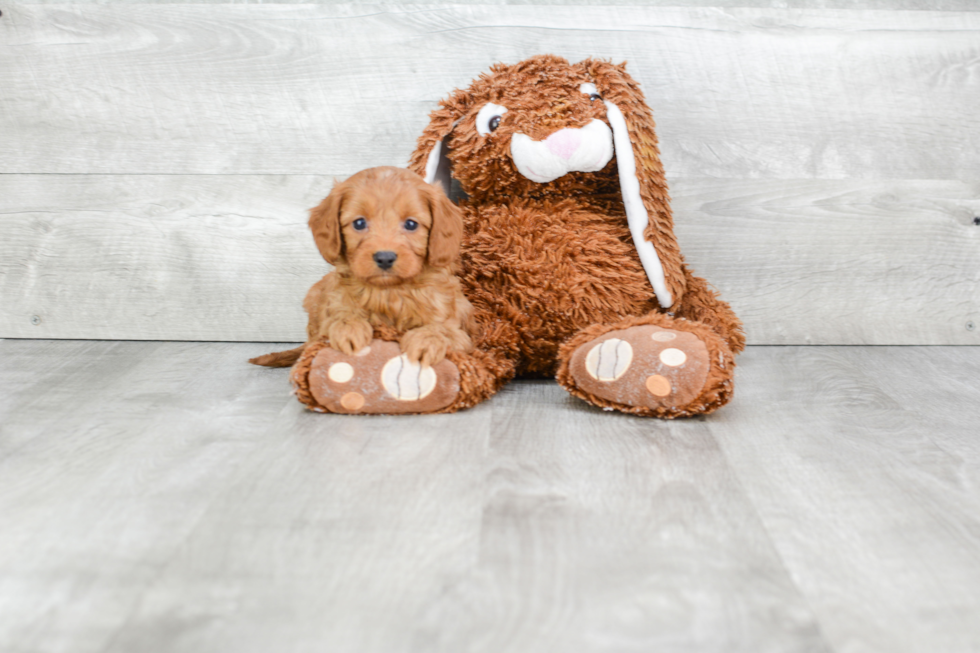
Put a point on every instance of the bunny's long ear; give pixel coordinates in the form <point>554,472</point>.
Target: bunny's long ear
<point>430,159</point>
<point>641,178</point>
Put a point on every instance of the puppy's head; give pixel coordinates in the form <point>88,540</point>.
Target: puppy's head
<point>386,224</point>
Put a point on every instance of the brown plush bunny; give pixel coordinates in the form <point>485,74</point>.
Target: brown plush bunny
<point>569,256</point>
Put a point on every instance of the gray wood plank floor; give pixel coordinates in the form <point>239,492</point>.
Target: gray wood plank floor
<point>880,5</point>
<point>160,496</point>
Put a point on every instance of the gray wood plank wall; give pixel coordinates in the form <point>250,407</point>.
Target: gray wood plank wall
<point>910,5</point>
<point>157,159</point>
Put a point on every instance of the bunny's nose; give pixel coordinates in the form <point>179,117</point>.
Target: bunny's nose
<point>385,260</point>
<point>564,142</point>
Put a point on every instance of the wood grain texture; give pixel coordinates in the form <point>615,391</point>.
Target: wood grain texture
<point>166,257</point>
<point>893,5</point>
<point>605,532</point>
<point>838,262</point>
<point>230,257</point>
<point>110,455</point>
<point>169,497</point>
<point>322,89</point>
<point>335,534</point>
<point>529,523</point>
<point>865,466</point>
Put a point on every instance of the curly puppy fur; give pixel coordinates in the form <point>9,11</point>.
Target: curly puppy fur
<point>394,243</point>
<point>552,264</point>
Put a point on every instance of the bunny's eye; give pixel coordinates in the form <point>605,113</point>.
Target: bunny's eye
<point>591,91</point>
<point>488,119</point>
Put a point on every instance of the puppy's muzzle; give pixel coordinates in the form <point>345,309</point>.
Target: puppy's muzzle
<point>385,260</point>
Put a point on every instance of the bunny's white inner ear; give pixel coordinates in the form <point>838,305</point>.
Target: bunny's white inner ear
<point>636,213</point>
<point>432,163</point>
<point>438,169</point>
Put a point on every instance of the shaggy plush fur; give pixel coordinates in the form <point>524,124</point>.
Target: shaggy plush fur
<point>415,298</point>
<point>550,267</point>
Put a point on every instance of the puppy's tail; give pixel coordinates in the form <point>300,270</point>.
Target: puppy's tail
<point>279,358</point>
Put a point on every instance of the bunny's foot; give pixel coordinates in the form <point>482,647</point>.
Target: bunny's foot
<point>653,365</point>
<point>379,379</point>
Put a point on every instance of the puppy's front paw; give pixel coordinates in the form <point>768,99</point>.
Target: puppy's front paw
<point>350,336</point>
<point>424,346</point>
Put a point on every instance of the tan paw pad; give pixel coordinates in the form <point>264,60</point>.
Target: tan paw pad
<point>609,359</point>
<point>407,381</point>
<point>341,372</point>
<point>352,401</point>
<point>673,357</point>
<point>658,385</point>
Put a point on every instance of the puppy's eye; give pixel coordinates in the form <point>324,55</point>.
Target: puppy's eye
<point>591,91</point>
<point>359,224</point>
<point>411,225</point>
<point>488,119</point>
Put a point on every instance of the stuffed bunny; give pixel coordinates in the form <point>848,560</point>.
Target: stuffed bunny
<point>569,256</point>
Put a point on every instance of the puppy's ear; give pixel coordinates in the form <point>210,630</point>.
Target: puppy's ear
<point>325,225</point>
<point>446,232</point>
<point>641,178</point>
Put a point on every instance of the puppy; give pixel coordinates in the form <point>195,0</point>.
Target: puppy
<point>394,243</point>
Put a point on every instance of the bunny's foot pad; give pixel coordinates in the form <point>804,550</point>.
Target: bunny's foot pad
<point>648,370</point>
<point>379,379</point>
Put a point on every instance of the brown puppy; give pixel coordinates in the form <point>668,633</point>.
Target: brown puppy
<point>394,242</point>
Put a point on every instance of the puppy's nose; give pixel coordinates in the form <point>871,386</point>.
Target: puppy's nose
<point>385,259</point>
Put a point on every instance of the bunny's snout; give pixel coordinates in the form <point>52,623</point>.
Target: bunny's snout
<point>564,142</point>
<point>587,149</point>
